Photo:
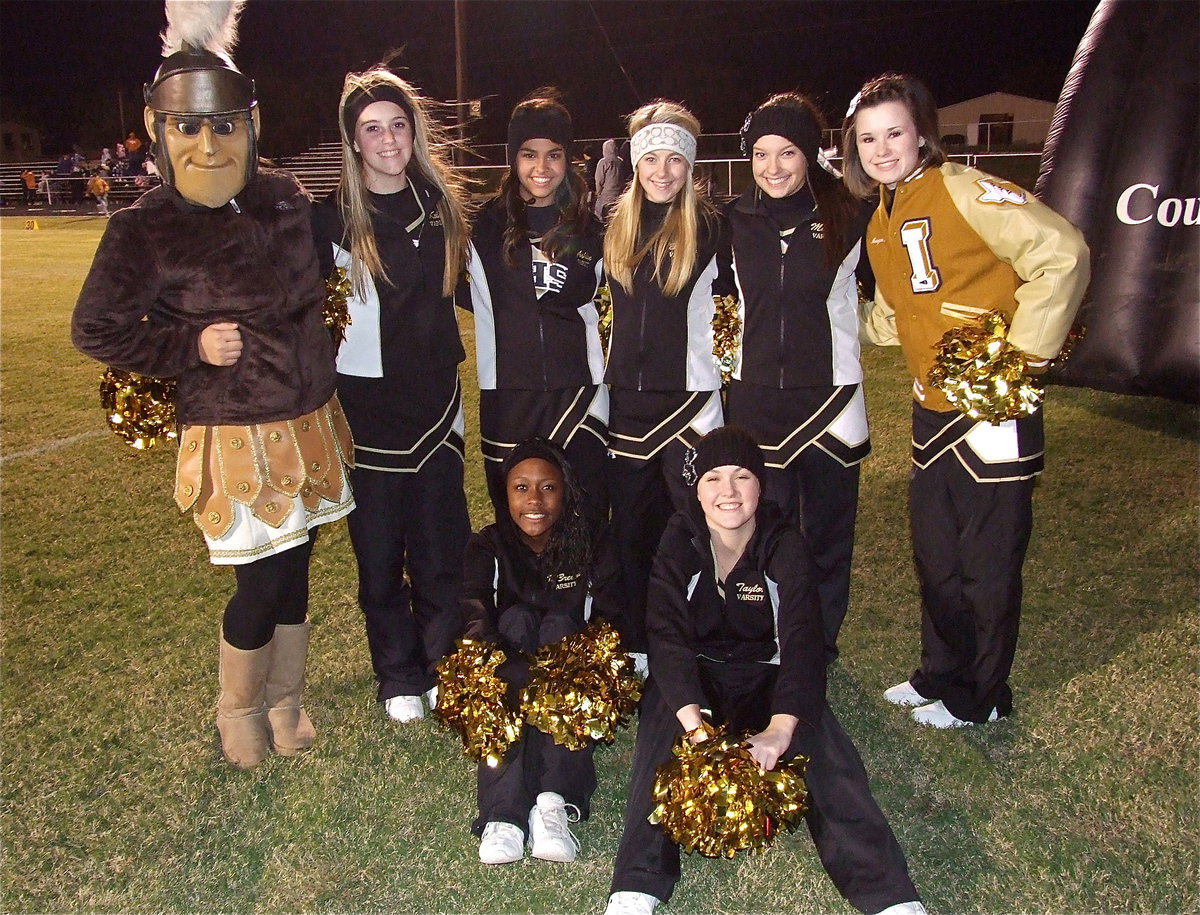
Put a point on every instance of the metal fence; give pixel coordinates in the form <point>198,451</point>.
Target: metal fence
<point>726,171</point>
<point>729,177</point>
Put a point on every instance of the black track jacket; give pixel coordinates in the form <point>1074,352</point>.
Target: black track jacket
<point>769,614</point>
<point>799,314</point>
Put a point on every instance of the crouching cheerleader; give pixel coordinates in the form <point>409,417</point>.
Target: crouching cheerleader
<point>754,664</point>
<point>532,579</point>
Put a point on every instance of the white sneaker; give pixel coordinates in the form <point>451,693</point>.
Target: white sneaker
<point>550,835</point>
<point>404,708</point>
<point>904,694</point>
<point>502,843</point>
<point>904,908</point>
<point>626,902</point>
<point>431,697</point>
<point>936,715</point>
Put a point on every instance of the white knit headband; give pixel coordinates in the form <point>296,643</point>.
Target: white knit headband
<point>663,136</point>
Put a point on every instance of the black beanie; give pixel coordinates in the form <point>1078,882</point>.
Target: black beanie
<point>381,92</point>
<point>726,446</point>
<point>786,118</point>
<point>535,447</point>
<point>539,119</point>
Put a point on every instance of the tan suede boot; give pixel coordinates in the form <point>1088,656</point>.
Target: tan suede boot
<point>241,710</point>
<point>292,731</point>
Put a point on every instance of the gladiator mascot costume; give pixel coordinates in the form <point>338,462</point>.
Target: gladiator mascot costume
<point>212,280</point>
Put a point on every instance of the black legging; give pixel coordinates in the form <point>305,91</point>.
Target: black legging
<point>271,591</point>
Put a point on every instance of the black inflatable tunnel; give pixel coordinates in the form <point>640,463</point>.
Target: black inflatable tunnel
<point>1121,163</point>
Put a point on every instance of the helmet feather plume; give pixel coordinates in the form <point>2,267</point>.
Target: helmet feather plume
<point>211,25</point>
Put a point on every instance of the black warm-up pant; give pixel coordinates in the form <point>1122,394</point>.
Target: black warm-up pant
<point>409,532</point>
<point>853,839</point>
<point>535,763</point>
<point>644,495</point>
<point>969,542</point>
<point>819,495</point>
<point>272,591</point>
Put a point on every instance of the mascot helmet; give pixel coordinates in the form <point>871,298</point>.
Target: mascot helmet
<point>198,78</point>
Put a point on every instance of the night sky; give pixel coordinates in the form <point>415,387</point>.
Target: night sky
<point>71,68</point>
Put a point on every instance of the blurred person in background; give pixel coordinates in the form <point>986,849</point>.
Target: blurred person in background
<point>97,188</point>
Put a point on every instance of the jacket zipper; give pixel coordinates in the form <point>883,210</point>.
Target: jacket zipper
<point>782,335</point>
<point>542,340</point>
<point>642,345</point>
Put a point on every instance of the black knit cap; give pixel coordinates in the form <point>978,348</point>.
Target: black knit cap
<point>784,116</point>
<point>727,446</point>
<point>381,92</point>
<point>535,447</point>
<point>539,118</point>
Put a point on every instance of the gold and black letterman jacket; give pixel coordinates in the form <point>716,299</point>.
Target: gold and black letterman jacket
<point>948,245</point>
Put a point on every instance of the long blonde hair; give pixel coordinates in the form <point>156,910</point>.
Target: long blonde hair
<point>430,159</point>
<point>677,241</point>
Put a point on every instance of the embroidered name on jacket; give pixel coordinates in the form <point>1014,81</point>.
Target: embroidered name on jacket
<point>751,593</point>
<point>565,581</point>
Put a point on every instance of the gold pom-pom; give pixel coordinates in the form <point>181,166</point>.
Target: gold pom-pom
<point>1076,333</point>
<point>712,798</point>
<point>336,310</point>
<point>984,375</point>
<point>604,309</point>
<point>139,409</point>
<point>581,688</point>
<point>727,330</point>
<point>471,701</point>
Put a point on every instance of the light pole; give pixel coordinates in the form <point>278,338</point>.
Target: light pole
<point>460,75</point>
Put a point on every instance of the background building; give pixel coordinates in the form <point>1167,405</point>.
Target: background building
<point>19,143</point>
<point>997,120</point>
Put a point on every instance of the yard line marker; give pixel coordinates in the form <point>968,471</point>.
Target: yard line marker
<point>51,446</point>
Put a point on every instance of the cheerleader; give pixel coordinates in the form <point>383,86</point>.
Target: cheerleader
<point>797,384</point>
<point>397,224</point>
<point>531,579</point>
<point>735,632</point>
<point>660,254</point>
<point>535,264</point>
<point>949,243</point>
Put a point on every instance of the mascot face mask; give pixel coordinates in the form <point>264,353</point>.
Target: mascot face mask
<point>200,108</point>
<point>211,157</point>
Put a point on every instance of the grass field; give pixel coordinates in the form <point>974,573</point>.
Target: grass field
<point>115,798</point>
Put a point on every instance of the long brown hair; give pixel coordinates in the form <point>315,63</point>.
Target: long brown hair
<point>835,204</point>
<point>570,199</point>
<point>430,159</point>
<point>916,97</point>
